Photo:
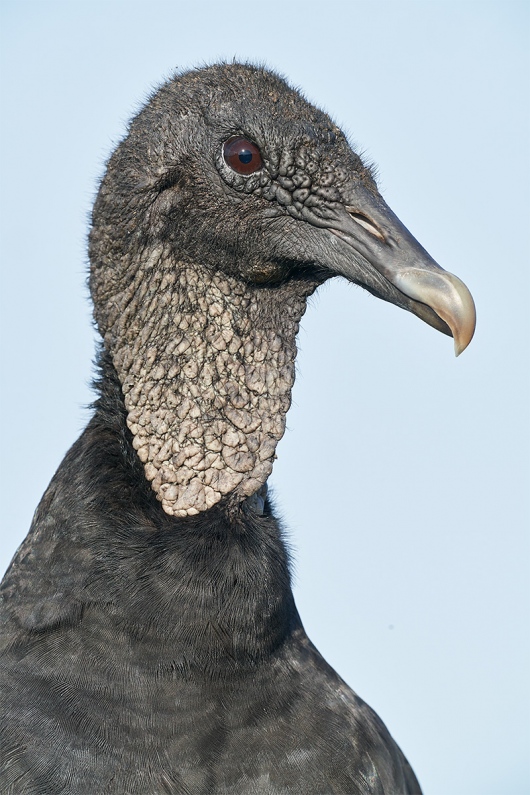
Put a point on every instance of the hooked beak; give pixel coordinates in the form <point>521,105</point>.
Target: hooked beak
<point>395,267</point>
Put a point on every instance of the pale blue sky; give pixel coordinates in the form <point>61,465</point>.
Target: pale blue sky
<point>403,477</point>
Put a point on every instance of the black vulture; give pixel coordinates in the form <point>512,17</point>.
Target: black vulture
<point>150,642</point>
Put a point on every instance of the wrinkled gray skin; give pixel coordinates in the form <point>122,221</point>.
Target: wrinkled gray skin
<point>150,639</point>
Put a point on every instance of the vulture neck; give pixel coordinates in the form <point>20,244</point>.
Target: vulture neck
<point>208,593</point>
<point>196,388</point>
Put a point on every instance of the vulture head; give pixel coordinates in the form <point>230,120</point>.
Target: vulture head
<point>229,201</point>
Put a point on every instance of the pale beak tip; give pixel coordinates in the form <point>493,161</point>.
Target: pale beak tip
<point>466,332</point>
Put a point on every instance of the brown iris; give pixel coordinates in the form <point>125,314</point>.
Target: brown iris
<point>242,155</point>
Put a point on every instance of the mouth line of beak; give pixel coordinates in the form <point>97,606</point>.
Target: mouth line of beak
<point>381,274</point>
<point>436,296</point>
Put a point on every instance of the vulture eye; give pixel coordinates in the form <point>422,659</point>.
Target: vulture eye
<point>242,155</point>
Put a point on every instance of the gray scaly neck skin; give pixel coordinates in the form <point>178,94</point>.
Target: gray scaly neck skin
<point>206,364</point>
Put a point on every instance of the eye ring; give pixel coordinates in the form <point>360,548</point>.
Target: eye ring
<point>242,155</point>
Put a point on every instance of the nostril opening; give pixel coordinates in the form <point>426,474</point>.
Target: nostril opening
<point>365,222</point>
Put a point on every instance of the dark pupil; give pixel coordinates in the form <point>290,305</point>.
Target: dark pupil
<point>245,156</point>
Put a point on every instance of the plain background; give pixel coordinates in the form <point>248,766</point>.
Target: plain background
<point>403,477</point>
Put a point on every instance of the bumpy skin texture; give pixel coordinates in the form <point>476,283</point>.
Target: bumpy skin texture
<point>206,380</point>
<point>150,641</point>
